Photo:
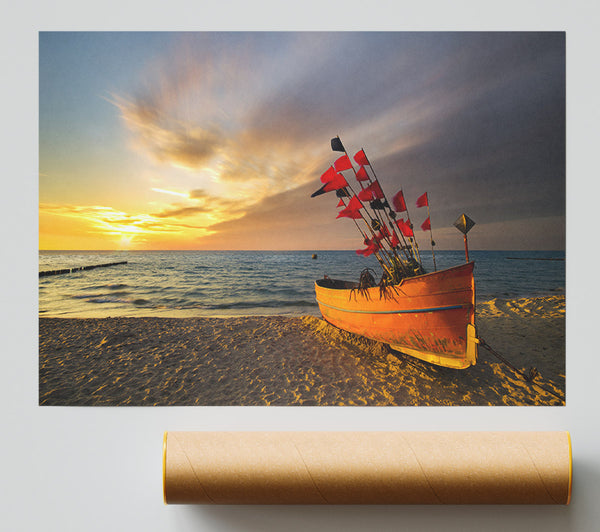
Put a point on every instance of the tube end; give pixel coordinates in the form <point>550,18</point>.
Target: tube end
<point>164,467</point>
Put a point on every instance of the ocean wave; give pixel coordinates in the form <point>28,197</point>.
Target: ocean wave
<point>261,304</point>
<point>85,296</point>
<point>107,299</point>
<point>116,286</point>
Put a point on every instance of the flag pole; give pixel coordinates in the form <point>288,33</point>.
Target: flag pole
<point>405,248</point>
<point>415,244</point>
<point>431,235</point>
<point>377,217</point>
<point>379,259</point>
<point>371,219</point>
<point>464,224</point>
<point>377,253</point>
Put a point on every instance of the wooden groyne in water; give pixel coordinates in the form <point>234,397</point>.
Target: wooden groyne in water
<point>81,268</point>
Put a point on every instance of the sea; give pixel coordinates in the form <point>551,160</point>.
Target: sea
<point>244,283</point>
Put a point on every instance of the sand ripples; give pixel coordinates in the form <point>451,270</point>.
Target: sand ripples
<point>291,361</point>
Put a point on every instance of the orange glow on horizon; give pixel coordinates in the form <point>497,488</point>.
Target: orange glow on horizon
<point>99,227</point>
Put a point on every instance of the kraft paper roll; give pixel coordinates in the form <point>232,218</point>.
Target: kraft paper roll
<point>367,467</point>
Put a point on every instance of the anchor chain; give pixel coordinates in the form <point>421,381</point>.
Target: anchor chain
<point>530,377</point>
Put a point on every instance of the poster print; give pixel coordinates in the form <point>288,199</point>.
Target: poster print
<point>302,218</point>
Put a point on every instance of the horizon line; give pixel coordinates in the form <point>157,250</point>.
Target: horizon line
<point>307,250</point>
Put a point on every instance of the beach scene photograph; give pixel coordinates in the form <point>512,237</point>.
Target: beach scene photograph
<point>302,219</point>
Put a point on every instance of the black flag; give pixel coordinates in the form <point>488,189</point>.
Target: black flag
<point>340,192</point>
<point>336,144</point>
<point>377,204</point>
<point>320,191</point>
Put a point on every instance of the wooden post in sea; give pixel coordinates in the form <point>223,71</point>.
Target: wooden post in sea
<point>72,270</point>
<point>464,224</point>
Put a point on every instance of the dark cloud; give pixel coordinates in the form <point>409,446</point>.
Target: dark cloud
<point>475,119</point>
<point>501,154</point>
<point>198,194</point>
<point>180,212</point>
<point>487,110</point>
<point>286,220</point>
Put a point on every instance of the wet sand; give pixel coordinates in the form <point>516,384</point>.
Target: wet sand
<point>293,361</point>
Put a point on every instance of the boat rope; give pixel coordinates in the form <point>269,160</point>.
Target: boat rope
<point>530,378</point>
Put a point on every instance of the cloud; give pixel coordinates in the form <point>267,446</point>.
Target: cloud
<point>169,140</point>
<point>198,193</point>
<point>285,220</point>
<point>476,119</point>
<point>109,221</point>
<point>170,192</point>
<point>181,212</point>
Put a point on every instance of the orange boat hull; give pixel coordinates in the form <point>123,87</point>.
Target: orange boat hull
<point>431,316</point>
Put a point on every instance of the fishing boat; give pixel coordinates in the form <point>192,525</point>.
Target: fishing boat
<point>427,315</point>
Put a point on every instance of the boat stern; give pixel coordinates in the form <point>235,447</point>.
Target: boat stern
<point>472,343</point>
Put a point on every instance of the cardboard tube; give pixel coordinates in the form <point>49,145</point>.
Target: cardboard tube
<point>367,467</point>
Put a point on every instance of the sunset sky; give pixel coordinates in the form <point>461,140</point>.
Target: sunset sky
<point>216,140</point>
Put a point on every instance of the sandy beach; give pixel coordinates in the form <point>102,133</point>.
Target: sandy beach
<point>294,361</point>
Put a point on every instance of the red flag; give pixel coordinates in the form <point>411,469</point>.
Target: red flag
<point>361,158</point>
<point>371,248</point>
<point>336,183</point>
<point>361,175</point>
<point>354,204</point>
<point>369,251</point>
<point>374,246</point>
<point>365,194</point>
<point>377,192</point>
<point>422,201</point>
<point>340,204</point>
<point>349,213</point>
<point>343,163</point>
<point>365,252</point>
<point>399,203</point>
<point>373,191</point>
<point>404,227</point>
<point>328,175</point>
<point>426,225</point>
<point>395,240</point>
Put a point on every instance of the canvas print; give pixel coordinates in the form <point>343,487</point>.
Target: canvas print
<point>302,218</point>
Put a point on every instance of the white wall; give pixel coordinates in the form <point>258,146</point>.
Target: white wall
<point>99,469</point>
